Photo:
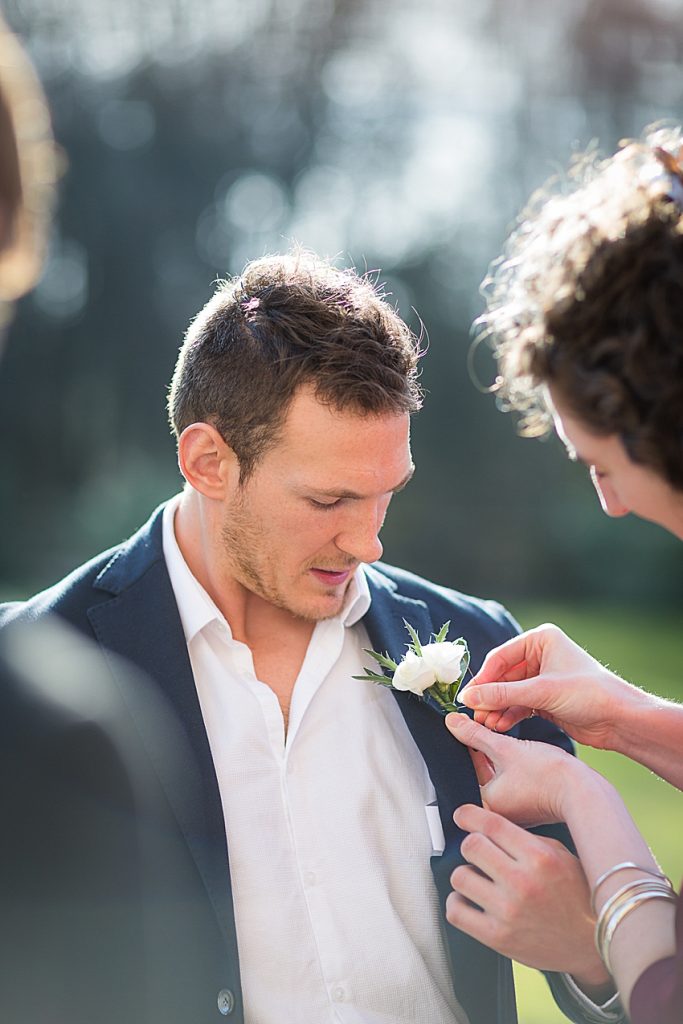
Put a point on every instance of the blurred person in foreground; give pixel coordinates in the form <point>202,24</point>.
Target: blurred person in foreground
<point>319,842</point>
<point>52,919</point>
<point>90,886</point>
<point>586,318</point>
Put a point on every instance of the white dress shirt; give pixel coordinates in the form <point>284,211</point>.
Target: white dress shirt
<point>337,916</point>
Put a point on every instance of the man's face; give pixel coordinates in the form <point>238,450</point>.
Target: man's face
<point>312,510</point>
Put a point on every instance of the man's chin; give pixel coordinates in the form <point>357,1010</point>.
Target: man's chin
<point>310,602</point>
<point>318,611</point>
<point>318,607</point>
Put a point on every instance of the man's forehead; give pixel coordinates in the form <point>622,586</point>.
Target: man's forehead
<point>312,421</point>
<point>354,459</point>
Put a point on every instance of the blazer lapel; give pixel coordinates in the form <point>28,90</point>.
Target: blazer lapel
<point>481,978</point>
<point>448,761</point>
<point>141,623</point>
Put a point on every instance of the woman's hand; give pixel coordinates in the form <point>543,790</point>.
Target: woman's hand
<point>531,900</point>
<point>545,672</point>
<point>523,780</point>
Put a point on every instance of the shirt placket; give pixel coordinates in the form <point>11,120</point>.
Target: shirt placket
<point>323,653</point>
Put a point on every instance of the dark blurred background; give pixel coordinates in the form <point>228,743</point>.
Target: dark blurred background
<point>399,135</point>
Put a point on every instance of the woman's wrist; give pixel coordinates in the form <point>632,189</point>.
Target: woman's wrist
<point>630,730</point>
<point>580,788</point>
<point>645,728</point>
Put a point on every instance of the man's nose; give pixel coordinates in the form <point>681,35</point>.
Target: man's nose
<point>361,537</point>
<point>611,505</point>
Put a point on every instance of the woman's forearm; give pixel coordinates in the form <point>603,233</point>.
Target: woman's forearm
<point>605,835</point>
<point>650,730</point>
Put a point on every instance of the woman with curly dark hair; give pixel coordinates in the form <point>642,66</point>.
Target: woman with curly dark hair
<point>585,316</point>
<point>586,305</point>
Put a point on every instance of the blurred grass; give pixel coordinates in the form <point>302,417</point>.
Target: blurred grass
<point>645,647</point>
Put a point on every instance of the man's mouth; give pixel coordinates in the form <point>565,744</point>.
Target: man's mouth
<point>332,577</point>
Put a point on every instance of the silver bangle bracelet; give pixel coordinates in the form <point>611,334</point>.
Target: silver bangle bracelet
<point>621,911</point>
<point>623,866</point>
<point>611,905</point>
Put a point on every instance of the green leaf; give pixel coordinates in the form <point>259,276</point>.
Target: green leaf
<point>466,660</point>
<point>416,645</point>
<point>443,633</point>
<point>384,660</point>
<point>374,677</point>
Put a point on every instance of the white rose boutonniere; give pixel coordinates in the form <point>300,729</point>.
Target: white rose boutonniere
<point>433,671</point>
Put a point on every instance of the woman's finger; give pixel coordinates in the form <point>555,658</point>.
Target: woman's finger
<point>474,735</point>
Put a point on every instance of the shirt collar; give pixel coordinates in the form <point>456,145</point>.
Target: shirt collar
<point>357,599</point>
<point>197,609</point>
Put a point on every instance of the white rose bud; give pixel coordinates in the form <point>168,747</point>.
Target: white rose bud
<point>414,674</point>
<point>444,660</point>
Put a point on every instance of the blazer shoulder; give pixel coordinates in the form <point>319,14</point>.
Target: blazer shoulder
<point>96,580</point>
<point>492,622</point>
<point>61,597</point>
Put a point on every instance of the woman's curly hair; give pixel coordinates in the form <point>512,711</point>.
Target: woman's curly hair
<point>588,298</point>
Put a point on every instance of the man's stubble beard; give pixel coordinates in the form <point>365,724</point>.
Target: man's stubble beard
<point>241,536</point>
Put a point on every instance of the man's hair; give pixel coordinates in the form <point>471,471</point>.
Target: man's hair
<point>588,298</point>
<point>288,321</point>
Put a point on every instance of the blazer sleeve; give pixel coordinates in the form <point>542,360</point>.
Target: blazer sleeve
<point>657,997</point>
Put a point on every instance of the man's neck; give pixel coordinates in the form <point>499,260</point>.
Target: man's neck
<point>278,640</point>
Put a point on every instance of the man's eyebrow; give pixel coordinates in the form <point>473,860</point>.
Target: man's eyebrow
<point>335,492</point>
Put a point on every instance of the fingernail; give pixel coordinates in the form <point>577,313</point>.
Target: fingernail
<point>470,697</point>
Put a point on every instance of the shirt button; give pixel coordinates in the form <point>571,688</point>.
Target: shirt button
<point>226,1001</point>
<point>309,878</point>
<point>338,994</point>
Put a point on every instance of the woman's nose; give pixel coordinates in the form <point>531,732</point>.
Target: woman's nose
<point>611,505</point>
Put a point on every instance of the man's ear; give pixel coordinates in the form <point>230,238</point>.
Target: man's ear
<point>206,461</point>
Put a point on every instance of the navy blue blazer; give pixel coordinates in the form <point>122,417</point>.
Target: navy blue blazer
<point>123,600</point>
